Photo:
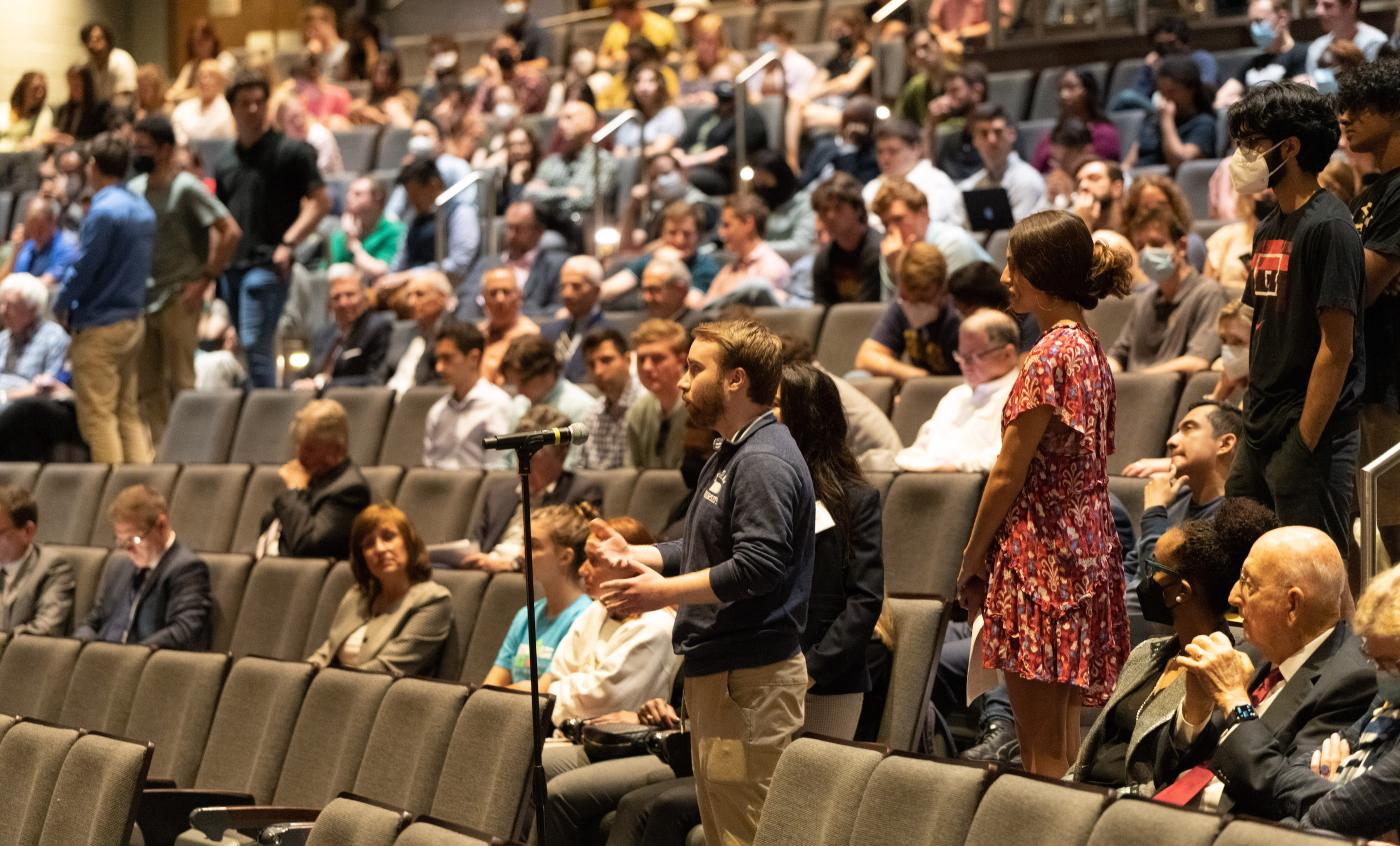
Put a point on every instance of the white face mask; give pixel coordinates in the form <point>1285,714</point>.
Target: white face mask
<point>919,314</point>
<point>421,147</point>
<point>1234,361</point>
<point>506,112</point>
<point>1157,263</point>
<point>445,61</point>
<point>1249,172</point>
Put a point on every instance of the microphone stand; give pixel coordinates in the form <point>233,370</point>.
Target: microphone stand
<point>523,455</point>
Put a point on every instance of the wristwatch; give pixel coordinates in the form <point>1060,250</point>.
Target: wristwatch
<point>1240,714</point>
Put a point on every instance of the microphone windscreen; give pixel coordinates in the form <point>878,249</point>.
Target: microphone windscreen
<point>578,433</point>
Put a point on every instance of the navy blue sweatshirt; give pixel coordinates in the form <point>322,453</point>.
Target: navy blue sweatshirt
<point>752,523</point>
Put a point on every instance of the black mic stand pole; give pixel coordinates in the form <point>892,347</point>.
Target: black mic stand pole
<point>522,461</point>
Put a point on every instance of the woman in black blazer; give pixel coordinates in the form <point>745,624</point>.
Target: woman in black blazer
<point>848,579</point>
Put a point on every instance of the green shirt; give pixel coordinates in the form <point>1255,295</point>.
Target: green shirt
<point>913,100</point>
<point>382,243</point>
<point>184,212</point>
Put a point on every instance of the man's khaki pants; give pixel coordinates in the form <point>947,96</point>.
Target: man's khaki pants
<point>167,360</point>
<point>740,722</point>
<point>105,392</point>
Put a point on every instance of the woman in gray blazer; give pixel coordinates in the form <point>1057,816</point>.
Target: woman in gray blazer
<point>396,618</point>
<point>1186,585</point>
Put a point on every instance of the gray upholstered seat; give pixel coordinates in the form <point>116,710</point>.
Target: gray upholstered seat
<point>174,709</point>
<point>916,403</point>
<point>67,496</point>
<point>228,578</point>
<point>655,496</point>
<point>87,563</point>
<point>617,488</point>
<point>1253,833</point>
<point>846,326</point>
<point>383,482</point>
<point>1129,822</point>
<point>1017,805</point>
<point>412,730</point>
<point>158,477</point>
<point>262,488</point>
<point>264,426</point>
<point>103,686</point>
<point>1146,405</point>
<point>468,589</point>
<point>368,412</point>
<point>505,595</point>
<point>403,438</point>
<point>201,426</point>
<point>277,607</point>
<point>429,834</point>
<point>352,822</point>
<point>438,501</point>
<point>31,756</point>
<point>21,474</point>
<point>96,793</point>
<point>801,323</point>
<point>34,674</point>
<point>815,794</point>
<point>922,555</point>
<point>204,504</point>
<point>912,801</point>
<point>339,579</point>
<point>878,389</point>
<point>918,623</point>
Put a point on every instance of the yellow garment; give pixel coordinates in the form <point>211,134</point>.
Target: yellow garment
<point>1223,251</point>
<point>616,95</point>
<point>657,29</point>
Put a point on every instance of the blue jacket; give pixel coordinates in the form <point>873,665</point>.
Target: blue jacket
<point>752,524</point>
<point>107,284</point>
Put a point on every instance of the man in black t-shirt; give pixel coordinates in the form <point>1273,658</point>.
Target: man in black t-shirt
<point>847,268</point>
<point>1368,103</point>
<point>1305,285</point>
<point>263,181</point>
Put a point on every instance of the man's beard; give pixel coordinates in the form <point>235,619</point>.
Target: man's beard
<point>705,410</point>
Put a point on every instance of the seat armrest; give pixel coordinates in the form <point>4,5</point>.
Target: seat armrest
<point>286,834</point>
<point>164,814</point>
<point>159,784</point>
<point>213,821</point>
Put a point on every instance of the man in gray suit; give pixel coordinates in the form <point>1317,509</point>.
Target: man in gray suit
<point>36,594</point>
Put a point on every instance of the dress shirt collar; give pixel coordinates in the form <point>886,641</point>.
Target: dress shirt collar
<point>986,390</point>
<point>472,397</point>
<point>13,567</point>
<point>1295,662</point>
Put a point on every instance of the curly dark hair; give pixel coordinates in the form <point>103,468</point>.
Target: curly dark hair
<point>1213,550</point>
<point>1281,110</point>
<point>1373,86</point>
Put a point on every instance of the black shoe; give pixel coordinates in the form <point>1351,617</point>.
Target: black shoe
<point>996,743</point>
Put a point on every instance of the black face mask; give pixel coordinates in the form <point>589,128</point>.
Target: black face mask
<point>1153,601</point>
<point>1263,208</point>
<point>143,163</point>
<point>506,60</point>
<point>844,43</point>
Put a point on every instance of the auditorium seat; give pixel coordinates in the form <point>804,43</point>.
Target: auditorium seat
<point>34,674</point>
<point>204,504</point>
<point>351,821</point>
<point>1029,133</point>
<point>383,482</point>
<point>1146,403</point>
<point>1010,89</point>
<point>31,756</point>
<point>339,579</point>
<point>918,623</point>
<point>392,147</point>
<point>412,730</point>
<point>357,148</point>
<point>1255,833</point>
<point>815,794</point>
<point>1230,62</point>
<point>264,435</point>
<point>103,686</point>
<point>439,502</point>
<point>911,801</point>
<point>21,474</point>
<point>174,709</point>
<point>67,497</point>
<point>1129,491</point>
<point>403,437</point>
<point>201,427</point>
<point>505,595</point>
<point>1125,71</point>
<point>247,743</point>
<point>428,832</point>
<point>87,563</point>
<point>1016,804</point>
<point>655,497</point>
<point>158,477</point>
<point>485,778</point>
<point>323,756</point>
<point>800,323</point>
<point>210,151</point>
<point>1133,822</point>
<point>996,248</point>
<point>468,589</point>
<point>1045,102</point>
<point>368,412</point>
<point>1108,318</point>
<point>228,578</point>
<point>1193,178</point>
<point>625,322</point>
<point>262,488</point>
<point>1129,126</point>
<point>617,488</point>
<point>4,639</point>
<point>846,326</point>
<point>917,402</point>
<point>880,481</point>
<point>277,607</point>
<point>923,555</point>
<point>878,389</point>
<point>94,798</point>
<point>773,112</point>
<point>1198,386</point>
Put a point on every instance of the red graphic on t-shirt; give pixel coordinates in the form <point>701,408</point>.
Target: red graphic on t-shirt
<point>1269,266</point>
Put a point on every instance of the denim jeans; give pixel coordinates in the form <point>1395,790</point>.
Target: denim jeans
<point>255,297</point>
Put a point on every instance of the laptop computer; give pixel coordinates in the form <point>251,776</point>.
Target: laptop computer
<point>988,209</point>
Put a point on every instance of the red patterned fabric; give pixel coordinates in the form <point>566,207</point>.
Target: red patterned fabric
<point>1054,610</point>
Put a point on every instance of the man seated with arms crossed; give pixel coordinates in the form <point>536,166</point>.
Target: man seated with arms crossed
<point>1313,679</point>
<point>657,421</point>
<point>159,594</point>
<point>964,433</point>
<point>475,408</point>
<point>1173,326</point>
<point>36,593</point>
<point>921,323</point>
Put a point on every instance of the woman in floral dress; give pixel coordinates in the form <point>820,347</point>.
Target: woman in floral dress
<point>1043,563</point>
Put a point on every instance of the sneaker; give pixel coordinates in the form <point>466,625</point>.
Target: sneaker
<point>996,743</point>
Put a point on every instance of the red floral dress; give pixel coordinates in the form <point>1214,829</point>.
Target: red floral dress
<point>1054,610</point>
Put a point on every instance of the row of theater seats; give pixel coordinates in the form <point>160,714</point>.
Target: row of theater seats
<point>67,787</point>
<point>351,819</point>
<point>253,730</point>
<point>828,793</point>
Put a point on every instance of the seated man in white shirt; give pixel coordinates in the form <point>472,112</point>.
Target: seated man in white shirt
<point>994,137</point>
<point>964,433</point>
<point>475,408</point>
<point>899,152</point>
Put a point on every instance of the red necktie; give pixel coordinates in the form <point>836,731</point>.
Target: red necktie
<point>1189,784</point>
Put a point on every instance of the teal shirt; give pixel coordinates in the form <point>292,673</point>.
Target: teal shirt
<point>549,632</point>
<point>382,243</point>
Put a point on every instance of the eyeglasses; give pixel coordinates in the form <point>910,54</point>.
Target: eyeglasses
<point>963,359</point>
<point>130,543</point>
<point>1155,566</point>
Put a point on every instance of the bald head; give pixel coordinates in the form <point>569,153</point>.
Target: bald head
<point>1290,590</point>
<point>987,343</point>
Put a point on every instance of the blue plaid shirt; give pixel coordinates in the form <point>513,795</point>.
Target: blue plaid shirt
<point>25,357</point>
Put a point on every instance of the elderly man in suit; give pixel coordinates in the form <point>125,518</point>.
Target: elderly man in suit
<point>354,349</point>
<point>534,258</point>
<point>36,594</point>
<point>324,490</point>
<point>159,594</point>
<point>1312,679</point>
<point>430,299</point>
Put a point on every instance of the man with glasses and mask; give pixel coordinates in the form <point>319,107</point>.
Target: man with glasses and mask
<point>158,593</point>
<point>1173,324</point>
<point>920,325</point>
<point>1306,284</point>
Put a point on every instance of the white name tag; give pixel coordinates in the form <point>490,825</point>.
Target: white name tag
<point>824,519</point>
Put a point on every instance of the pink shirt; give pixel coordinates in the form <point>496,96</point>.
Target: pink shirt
<point>762,265</point>
<point>324,100</point>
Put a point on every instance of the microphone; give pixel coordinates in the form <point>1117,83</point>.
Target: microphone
<point>575,434</point>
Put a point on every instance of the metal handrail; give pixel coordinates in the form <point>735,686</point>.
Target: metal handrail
<point>741,102</point>
<point>1369,505</point>
<point>485,206</point>
<point>599,136</point>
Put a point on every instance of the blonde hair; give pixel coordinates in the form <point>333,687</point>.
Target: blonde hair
<point>323,422</point>
<point>922,269</point>
<point>659,330</point>
<point>138,505</point>
<point>566,526</point>
<point>1378,611</point>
